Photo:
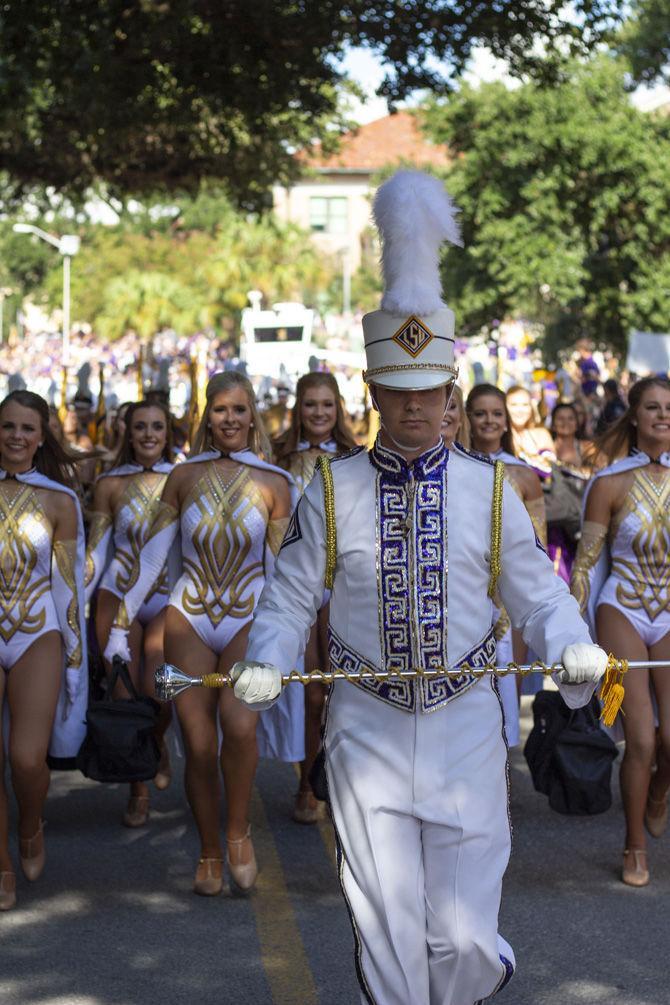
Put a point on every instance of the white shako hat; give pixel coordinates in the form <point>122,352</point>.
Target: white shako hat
<point>409,343</point>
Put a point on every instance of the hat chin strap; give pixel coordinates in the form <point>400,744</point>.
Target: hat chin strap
<point>396,443</point>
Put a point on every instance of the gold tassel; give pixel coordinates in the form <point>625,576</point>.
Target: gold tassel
<point>612,691</point>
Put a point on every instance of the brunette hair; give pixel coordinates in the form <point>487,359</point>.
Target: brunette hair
<point>287,442</point>
<point>52,459</point>
<point>225,381</point>
<point>126,454</point>
<point>621,437</point>
<point>478,391</point>
<point>534,421</point>
<point>571,408</point>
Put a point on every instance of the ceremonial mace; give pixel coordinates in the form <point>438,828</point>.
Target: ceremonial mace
<point>171,681</point>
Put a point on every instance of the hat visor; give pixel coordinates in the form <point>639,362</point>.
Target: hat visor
<point>412,379</point>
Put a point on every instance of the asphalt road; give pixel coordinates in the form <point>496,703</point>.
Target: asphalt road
<point>113,922</point>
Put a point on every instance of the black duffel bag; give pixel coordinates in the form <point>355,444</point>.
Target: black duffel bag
<point>570,756</point>
<point>120,743</point>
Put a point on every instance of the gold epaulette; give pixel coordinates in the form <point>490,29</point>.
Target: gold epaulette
<point>496,525</point>
<point>323,464</point>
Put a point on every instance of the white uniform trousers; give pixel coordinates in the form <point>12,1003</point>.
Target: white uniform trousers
<point>420,807</point>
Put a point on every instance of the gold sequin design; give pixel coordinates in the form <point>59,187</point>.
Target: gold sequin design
<point>646,578</point>
<point>142,496</point>
<point>276,532</point>
<point>65,553</point>
<point>19,592</point>
<point>302,466</point>
<point>100,524</point>
<point>220,580</point>
<point>590,547</point>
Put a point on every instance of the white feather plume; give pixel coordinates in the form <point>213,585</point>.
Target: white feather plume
<point>414,215</point>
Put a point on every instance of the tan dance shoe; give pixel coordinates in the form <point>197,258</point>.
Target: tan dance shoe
<point>208,877</point>
<point>163,776</point>
<point>656,816</point>
<point>32,854</point>
<point>242,874</point>
<point>7,891</point>
<point>307,809</point>
<point>635,872</point>
<point>137,811</point>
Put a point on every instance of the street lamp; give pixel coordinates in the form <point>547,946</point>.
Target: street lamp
<point>5,291</point>
<point>67,246</point>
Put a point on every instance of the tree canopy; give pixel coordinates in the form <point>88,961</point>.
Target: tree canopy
<point>159,95</point>
<point>645,40</point>
<point>564,194</point>
<point>189,269</point>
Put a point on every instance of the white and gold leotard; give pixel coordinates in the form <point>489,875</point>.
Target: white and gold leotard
<point>639,544</point>
<point>223,526</point>
<point>26,545</point>
<point>227,544</point>
<point>113,547</point>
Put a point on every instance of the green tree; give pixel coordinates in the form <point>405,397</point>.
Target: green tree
<point>146,302</point>
<point>645,40</point>
<point>564,194</point>
<point>154,95</point>
<point>188,266</point>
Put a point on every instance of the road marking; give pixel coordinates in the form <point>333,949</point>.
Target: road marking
<point>282,952</point>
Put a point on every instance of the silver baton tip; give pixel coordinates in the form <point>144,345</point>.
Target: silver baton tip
<point>171,681</point>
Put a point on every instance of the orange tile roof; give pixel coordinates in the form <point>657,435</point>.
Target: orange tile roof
<point>394,138</point>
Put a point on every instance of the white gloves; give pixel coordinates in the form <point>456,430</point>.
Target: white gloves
<point>256,684</point>
<point>583,664</point>
<point>74,678</point>
<point>117,645</point>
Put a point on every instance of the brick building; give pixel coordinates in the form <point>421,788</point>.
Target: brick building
<point>332,199</point>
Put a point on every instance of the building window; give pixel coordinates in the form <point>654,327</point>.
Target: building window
<point>328,214</point>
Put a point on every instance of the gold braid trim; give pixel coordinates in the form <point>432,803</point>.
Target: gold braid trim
<point>65,553</point>
<point>538,517</point>
<point>275,533</point>
<point>323,464</point>
<point>496,525</point>
<point>100,523</point>
<point>591,545</point>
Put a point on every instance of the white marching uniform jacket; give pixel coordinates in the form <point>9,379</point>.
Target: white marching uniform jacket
<point>417,770</point>
<point>391,604</point>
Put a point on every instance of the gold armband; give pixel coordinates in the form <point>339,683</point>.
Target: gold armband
<point>100,524</point>
<point>276,532</point>
<point>65,555</point>
<point>590,547</point>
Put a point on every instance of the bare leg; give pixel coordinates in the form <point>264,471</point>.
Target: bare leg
<point>239,752</point>
<point>32,691</point>
<point>617,635</point>
<point>660,784</point>
<point>5,860</point>
<point>154,633</point>
<point>196,709</point>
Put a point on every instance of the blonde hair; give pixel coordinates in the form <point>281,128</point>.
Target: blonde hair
<point>464,423</point>
<point>227,380</point>
<point>287,442</point>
